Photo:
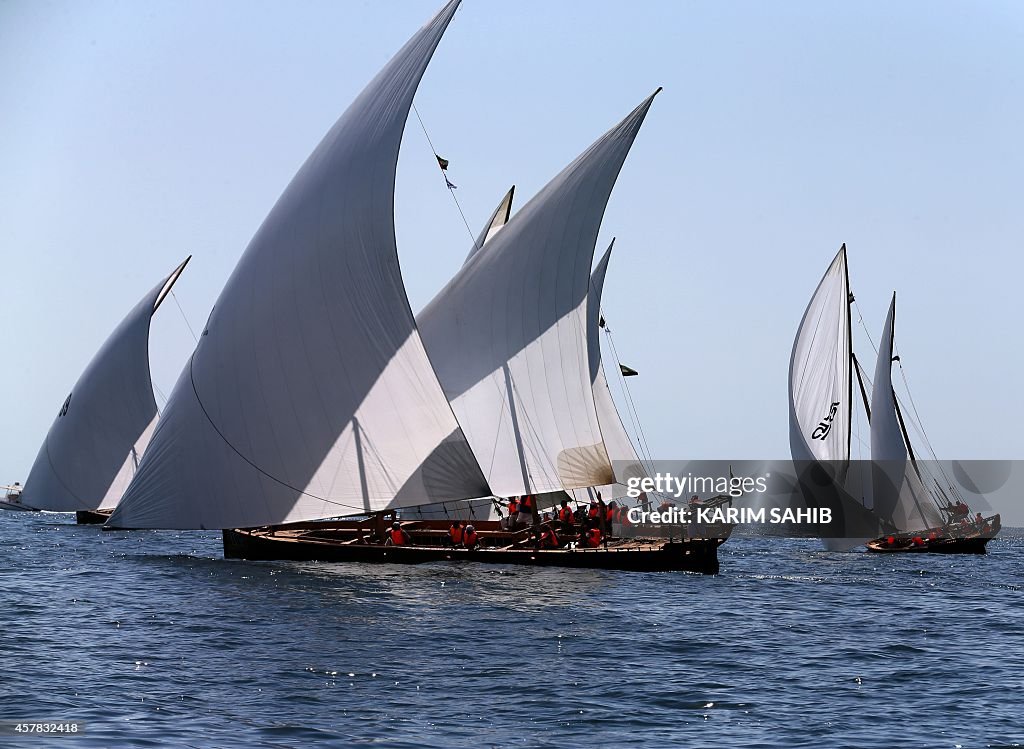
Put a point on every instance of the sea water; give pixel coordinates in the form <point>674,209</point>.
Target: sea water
<point>153,639</point>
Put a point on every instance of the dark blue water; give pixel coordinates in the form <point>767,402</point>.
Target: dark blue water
<point>152,639</point>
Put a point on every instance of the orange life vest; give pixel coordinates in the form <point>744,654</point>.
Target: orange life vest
<point>526,504</point>
<point>469,539</point>
<point>594,537</point>
<point>565,515</point>
<point>549,539</point>
<point>593,511</point>
<point>456,534</point>
<point>609,514</point>
<point>397,536</point>
<point>513,506</point>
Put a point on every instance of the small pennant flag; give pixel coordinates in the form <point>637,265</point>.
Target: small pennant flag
<point>451,186</point>
<point>600,322</point>
<point>627,371</point>
<point>442,162</point>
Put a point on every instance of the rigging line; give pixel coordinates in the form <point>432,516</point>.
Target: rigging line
<point>634,414</point>
<point>860,319</point>
<point>448,184</point>
<point>159,392</point>
<point>919,424</point>
<point>631,405</point>
<point>183,317</point>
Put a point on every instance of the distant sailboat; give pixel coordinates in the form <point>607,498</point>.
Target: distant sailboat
<point>11,499</point>
<point>898,486</point>
<point>311,395</point>
<point>894,501</point>
<point>92,450</point>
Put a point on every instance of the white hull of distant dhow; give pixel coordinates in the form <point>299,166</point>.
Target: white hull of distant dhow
<point>12,501</point>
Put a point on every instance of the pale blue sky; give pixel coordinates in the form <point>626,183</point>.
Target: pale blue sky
<point>135,133</point>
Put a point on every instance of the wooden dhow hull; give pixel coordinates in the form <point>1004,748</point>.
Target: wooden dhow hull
<point>969,543</point>
<point>342,542</point>
<point>92,517</point>
<point>15,506</point>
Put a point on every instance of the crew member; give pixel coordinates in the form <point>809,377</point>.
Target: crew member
<point>397,536</point>
<point>592,537</point>
<point>455,533</point>
<point>548,538</point>
<point>513,513</point>
<point>565,514</point>
<point>470,538</point>
<point>526,510</point>
<point>610,513</point>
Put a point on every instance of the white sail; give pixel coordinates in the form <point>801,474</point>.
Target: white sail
<point>621,452</point>
<point>497,220</point>
<point>91,451</point>
<point>508,338</point>
<point>899,495</point>
<point>310,394</point>
<point>819,372</point>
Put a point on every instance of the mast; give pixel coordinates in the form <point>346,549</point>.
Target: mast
<point>849,347</point>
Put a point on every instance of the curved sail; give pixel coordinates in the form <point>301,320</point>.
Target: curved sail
<point>497,220</point>
<point>508,335</point>
<point>820,387</point>
<point>625,461</point>
<point>310,394</point>
<point>899,496</point>
<point>93,447</point>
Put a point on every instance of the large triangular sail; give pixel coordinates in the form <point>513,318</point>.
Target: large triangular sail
<point>900,497</point>
<point>310,394</point>
<point>820,384</point>
<point>508,335</point>
<point>92,449</point>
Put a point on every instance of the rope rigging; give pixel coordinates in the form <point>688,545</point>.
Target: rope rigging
<point>442,164</point>
<point>915,421</point>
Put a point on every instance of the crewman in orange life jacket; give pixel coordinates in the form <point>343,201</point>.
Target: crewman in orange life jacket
<point>526,510</point>
<point>455,533</point>
<point>469,537</point>
<point>513,513</point>
<point>565,514</point>
<point>397,536</point>
<point>548,538</point>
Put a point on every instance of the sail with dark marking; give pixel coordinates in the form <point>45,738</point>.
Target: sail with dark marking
<point>102,429</point>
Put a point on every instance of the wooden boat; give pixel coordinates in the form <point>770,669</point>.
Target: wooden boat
<point>903,497</point>
<point>12,499</point>
<point>489,391</point>
<point>945,540</point>
<point>92,517</point>
<point>358,541</point>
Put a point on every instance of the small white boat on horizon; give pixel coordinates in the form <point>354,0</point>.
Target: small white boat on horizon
<point>12,498</point>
